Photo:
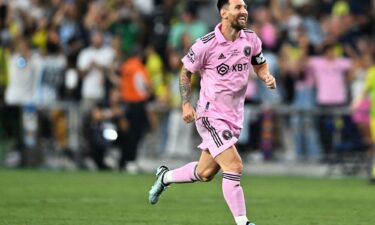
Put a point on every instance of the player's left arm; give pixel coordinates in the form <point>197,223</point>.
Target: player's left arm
<point>264,74</point>
<point>260,65</point>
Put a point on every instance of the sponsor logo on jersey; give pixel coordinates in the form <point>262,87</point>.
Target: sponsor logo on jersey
<point>222,69</point>
<point>240,67</point>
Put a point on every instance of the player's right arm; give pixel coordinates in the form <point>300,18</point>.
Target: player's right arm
<point>188,112</point>
<point>193,62</point>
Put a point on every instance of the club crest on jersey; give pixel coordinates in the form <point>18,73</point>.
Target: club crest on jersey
<point>222,69</point>
<point>227,135</point>
<point>247,51</point>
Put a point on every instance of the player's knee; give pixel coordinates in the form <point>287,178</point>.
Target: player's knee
<point>206,175</point>
<point>236,167</point>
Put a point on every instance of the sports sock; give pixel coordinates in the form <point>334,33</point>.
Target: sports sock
<point>241,220</point>
<point>234,196</point>
<point>184,174</point>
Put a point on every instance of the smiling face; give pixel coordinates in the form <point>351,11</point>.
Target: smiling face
<point>235,13</point>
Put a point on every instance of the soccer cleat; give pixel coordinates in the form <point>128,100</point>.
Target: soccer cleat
<point>158,186</point>
<point>248,223</point>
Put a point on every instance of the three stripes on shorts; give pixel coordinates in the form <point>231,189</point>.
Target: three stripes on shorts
<point>212,131</point>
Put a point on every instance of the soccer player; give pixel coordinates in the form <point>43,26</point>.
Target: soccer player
<point>223,59</point>
<point>369,91</point>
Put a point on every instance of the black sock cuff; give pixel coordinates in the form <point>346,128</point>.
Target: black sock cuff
<point>196,173</point>
<point>233,177</point>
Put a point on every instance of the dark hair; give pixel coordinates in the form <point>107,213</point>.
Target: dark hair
<point>221,3</point>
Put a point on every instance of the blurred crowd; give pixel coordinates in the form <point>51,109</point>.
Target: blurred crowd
<point>119,60</point>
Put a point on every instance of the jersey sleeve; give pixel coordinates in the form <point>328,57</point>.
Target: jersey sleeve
<point>257,57</point>
<point>194,59</point>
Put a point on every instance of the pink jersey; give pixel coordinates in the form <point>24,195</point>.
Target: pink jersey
<point>329,76</point>
<point>225,69</point>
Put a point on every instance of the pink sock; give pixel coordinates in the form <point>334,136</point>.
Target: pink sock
<point>233,194</point>
<point>185,174</point>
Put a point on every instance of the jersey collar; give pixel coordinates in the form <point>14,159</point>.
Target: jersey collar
<point>220,37</point>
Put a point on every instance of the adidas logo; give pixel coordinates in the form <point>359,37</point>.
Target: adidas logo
<point>222,56</point>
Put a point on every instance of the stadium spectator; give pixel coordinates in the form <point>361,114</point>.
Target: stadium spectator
<point>93,64</point>
<point>286,28</point>
<point>4,48</point>
<point>24,67</point>
<point>189,24</point>
<point>135,92</point>
<point>108,127</point>
<point>50,80</point>
<point>160,24</point>
<point>126,22</point>
<point>330,74</point>
<point>265,28</point>
<point>159,111</point>
<point>293,56</point>
<point>49,85</point>
<point>361,110</point>
<point>66,19</point>
<point>369,91</point>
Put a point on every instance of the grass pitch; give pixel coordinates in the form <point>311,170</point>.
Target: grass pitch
<point>84,198</point>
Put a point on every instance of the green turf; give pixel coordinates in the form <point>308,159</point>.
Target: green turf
<point>84,198</point>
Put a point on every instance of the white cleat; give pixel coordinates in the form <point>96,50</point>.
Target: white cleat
<point>158,186</point>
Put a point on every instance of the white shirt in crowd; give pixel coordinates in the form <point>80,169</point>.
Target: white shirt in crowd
<point>22,76</point>
<point>93,81</point>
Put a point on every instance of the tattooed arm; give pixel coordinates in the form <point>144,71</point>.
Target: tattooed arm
<point>188,112</point>
<point>185,85</point>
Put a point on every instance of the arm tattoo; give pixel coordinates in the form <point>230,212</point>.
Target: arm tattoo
<point>185,85</point>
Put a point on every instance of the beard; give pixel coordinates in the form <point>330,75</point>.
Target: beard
<point>237,25</point>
